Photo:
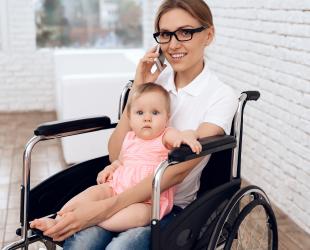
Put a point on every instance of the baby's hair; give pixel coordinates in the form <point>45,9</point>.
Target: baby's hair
<point>147,88</point>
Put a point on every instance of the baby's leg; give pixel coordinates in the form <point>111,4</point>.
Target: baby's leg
<point>135,215</point>
<point>93,193</point>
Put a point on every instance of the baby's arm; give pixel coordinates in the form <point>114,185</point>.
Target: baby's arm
<point>174,138</point>
<point>107,173</point>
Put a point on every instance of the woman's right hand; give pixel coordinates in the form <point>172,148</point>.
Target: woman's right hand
<point>76,218</point>
<point>143,71</point>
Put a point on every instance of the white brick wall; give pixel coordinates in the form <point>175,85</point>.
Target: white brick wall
<point>26,74</point>
<point>265,45</point>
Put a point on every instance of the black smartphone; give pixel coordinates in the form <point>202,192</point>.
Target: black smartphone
<point>160,60</point>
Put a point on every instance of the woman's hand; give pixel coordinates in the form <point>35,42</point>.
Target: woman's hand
<point>77,218</point>
<point>143,71</point>
<point>107,173</point>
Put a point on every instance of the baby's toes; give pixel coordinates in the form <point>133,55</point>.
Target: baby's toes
<point>33,223</point>
<point>39,224</point>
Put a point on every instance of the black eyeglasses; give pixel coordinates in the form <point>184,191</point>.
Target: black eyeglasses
<point>181,35</point>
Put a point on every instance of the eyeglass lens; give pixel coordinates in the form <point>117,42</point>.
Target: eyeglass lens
<point>180,35</point>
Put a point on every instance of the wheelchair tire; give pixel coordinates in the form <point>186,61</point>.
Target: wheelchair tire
<point>265,228</point>
<point>237,210</point>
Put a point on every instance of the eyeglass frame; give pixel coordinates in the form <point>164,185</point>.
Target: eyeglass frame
<point>173,33</point>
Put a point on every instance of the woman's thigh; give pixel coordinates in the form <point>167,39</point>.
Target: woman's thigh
<point>136,238</point>
<point>95,237</point>
<point>92,238</point>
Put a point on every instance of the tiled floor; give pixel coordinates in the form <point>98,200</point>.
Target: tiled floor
<point>16,129</point>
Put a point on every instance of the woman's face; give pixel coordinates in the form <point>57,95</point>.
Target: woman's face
<point>185,56</point>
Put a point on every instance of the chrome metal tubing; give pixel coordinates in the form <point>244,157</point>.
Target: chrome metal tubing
<point>15,245</point>
<point>122,98</point>
<point>26,183</point>
<point>21,243</point>
<point>156,188</point>
<point>237,127</point>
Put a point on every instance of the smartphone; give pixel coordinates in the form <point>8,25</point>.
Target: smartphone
<point>160,60</point>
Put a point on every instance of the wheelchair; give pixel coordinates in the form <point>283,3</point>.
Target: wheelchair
<point>225,214</point>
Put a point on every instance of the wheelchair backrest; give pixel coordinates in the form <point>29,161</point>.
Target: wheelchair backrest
<point>225,165</point>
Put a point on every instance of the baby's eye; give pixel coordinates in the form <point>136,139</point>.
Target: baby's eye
<point>155,112</point>
<point>139,112</point>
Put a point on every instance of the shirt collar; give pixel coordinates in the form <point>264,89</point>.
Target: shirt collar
<point>194,88</point>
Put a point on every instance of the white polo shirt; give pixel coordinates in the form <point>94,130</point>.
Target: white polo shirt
<point>205,99</point>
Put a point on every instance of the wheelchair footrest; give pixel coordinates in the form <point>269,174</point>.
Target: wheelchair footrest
<point>33,232</point>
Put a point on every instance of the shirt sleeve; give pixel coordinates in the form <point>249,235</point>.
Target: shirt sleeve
<point>223,108</point>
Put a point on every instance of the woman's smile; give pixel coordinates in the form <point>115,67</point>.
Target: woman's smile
<point>177,56</point>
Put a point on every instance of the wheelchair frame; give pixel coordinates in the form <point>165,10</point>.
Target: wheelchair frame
<point>210,145</point>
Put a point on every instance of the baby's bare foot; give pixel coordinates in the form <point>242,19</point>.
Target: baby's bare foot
<point>43,223</point>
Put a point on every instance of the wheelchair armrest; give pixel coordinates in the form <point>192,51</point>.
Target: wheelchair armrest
<point>70,127</point>
<point>209,144</point>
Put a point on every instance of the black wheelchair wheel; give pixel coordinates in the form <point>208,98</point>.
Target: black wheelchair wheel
<point>254,228</point>
<point>248,206</point>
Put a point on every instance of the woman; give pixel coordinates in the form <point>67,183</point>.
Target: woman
<point>201,106</point>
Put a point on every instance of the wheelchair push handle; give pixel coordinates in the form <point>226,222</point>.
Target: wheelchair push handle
<point>252,95</point>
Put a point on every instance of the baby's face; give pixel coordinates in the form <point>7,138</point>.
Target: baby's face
<point>148,115</point>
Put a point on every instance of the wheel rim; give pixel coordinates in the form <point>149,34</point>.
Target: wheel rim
<point>228,218</point>
<point>255,228</point>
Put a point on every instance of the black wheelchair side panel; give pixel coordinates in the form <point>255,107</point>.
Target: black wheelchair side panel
<point>193,226</point>
<point>49,196</point>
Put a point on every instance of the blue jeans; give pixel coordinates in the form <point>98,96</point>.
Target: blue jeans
<point>95,238</point>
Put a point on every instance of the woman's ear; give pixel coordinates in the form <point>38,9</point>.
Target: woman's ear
<point>209,36</point>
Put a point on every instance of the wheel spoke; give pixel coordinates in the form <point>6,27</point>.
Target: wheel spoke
<point>251,222</point>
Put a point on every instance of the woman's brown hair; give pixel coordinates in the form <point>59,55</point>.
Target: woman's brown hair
<point>197,8</point>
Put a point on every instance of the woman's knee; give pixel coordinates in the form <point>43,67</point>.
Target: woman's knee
<point>91,238</point>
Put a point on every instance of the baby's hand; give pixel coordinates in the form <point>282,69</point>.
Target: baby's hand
<point>107,173</point>
<point>188,137</point>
